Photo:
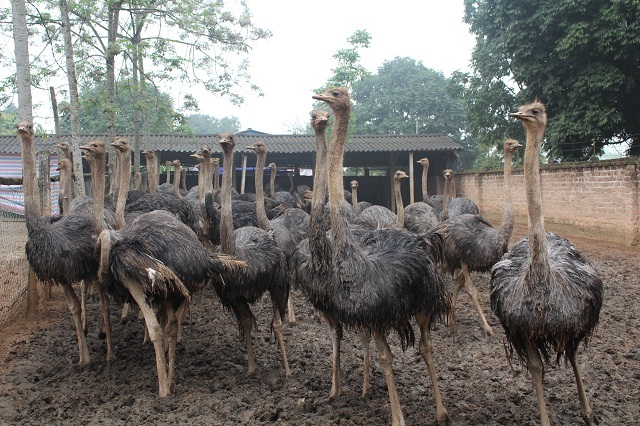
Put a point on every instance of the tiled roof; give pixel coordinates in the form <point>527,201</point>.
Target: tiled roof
<point>277,144</point>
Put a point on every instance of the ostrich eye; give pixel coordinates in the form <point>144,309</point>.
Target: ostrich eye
<point>335,93</point>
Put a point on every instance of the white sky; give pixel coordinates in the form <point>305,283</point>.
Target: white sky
<point>298,58</point>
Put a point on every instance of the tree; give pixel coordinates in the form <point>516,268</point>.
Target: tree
<point>579,58</point>
<point>349,70</point>
<point>8,120</point>
<point>162,116</point>
<point>202,124</point>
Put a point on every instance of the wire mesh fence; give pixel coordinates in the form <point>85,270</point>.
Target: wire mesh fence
<point>14,269</point>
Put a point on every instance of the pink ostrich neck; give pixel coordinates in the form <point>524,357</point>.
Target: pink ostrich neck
<point>354,196</point>
<point>399,205</point>
<point>124,159</point>
<point>335,173</point>
<point>261,214</point>
<point>216,175</point>
<point>176,179</point>
<point>506,226</point>
<point>227,241</point>
<point>28,171</point>
<point>151,173</point>
<point>97,188</point>
<point>537,240</point>
<point>448,189</point>
<point>425,190</point>
<point>272,181</point>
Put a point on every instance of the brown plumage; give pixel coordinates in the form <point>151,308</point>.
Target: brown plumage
<point>546,295</point>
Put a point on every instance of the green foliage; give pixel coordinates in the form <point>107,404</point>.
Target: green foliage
<point>349,70</point>
<point>93,110</point>
<point>579,58</point>
<point>201,124</point>
<point>8,120</point>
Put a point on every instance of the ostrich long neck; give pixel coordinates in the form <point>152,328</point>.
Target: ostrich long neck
<point>151,174</point>
<point>537,240</point>
<point>168,172</point>
<point>124,158</point>
<point>261,214</point>
<point>399,205</point>
<point>227,241</point>
<point>176,180</point>
<point>97,189</point>
<point>447,197</point>
<point>506,226</point>
<point>272,182</point>
<point>29,177</point>
<point>216,175</point>
<point>65,189</point>
<point>317,226</point>
<point>354,197</point>
<point>425,191</point>
<point>340,231</point>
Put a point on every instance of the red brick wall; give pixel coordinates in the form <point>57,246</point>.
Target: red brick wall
<point>591,199</point>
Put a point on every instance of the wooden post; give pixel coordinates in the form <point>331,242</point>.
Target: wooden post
<point>411,185</point>
<point>391,186</point>
<point>244,173</point>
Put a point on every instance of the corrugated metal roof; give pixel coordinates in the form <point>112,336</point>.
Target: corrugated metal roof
<point>277,144</point>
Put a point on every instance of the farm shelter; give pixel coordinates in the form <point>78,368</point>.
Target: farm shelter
<point>370,159</point>
<point>597,199</point>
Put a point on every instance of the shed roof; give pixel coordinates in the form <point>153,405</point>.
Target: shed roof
<point>277,144</point>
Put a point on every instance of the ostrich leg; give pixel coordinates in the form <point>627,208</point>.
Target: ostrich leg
<point>585,409</point>
<point>246,322</point>
<point>365,340</point>
<point>156,334</point>
<point>106,319</point>
<point>291,315</point>
<point>76,310</point>
<point>171,331</point>
<point>426,350</point>
<point>386,360</point>
<point>276,325</point>
<point>469,288</point>
<point>534,364</point>
<point>335,330</point>
<point>84,287</point>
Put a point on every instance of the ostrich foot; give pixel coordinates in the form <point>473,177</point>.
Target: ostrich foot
<point>488,330</point>
<point>590,419</point>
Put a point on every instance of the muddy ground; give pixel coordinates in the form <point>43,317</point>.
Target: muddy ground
<point>40,382</point>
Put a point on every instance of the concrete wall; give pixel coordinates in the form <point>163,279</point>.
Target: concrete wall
<point>598,200</point>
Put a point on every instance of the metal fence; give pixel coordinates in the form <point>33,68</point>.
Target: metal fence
<point>14,269</point>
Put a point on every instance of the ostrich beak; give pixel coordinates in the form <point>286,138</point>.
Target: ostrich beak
<point>521,115</point>
<point>85,147</point>
<point>251,147</point>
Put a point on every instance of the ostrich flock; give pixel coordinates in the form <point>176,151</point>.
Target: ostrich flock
<point>361,266</point>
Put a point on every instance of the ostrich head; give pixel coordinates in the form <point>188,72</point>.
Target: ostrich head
<point>259,148</point>
<point>167,164</point>
<point>227,142</point>
<point>319,120</point>
<point>272,166</point>
<point>448,174</point>
<point>533,116</point>
<point>205,152</point>
<point>511,145</point>
<point>337,98</point>
<point>177,164</point>
<point>64,164</point>
<point>354,184</point>
<point>197,156</point>
<point>63,146</point>
<point>25,129</point>
<point>149,155</point>
<point>121,144</point>
<point>215,162</point>
<point>94,148</point>
<point>399,175</point>
<point>424,162</point>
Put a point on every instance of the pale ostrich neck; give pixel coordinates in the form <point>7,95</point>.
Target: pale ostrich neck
<point>124,158</point>
<point>354,196</point>
<point>151,174</point>
<point>201,173</point>
<point>272,182</point>
<point>216,175</point>
<point>335,172</point>
<point>447,196</point>
<point>317,220</point>
<point>176,180</point>
<point>537,240</point>
<point>97,189</point>
<point>65,188</point>
<point>227,242</point>
<point>261,214</point>
<point>399,205</point>
<point>207,178</point>
<point>168,173</point>
<point>506,226</point>
<point>29,177</point>
<point>425,191</point>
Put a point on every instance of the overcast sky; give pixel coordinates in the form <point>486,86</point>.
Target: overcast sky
<point>299,56</point>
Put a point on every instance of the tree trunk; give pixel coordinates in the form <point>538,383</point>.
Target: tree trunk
<point>74,102</point>
<point>21,49</point>
<point>112,50</point>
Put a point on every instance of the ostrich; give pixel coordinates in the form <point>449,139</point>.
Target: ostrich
<point>278,196</point>
<point>400,211</point>
<point>60,250</point>
<point>545,293</point>
<point>65,168</point>
<point>358,207</point>
<point>376,217</point>
<point>435,201</point>
<point>395,265</point>
<point>472,244</point>
<point>266,266</point>
<point>152,178</point>
<point>145,268</point>
<point>288,229</point>
<point>458,205</point>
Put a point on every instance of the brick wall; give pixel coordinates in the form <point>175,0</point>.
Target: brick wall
<point>598,200</point>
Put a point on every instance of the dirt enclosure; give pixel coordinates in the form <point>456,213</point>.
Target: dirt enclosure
<point>40,382</point>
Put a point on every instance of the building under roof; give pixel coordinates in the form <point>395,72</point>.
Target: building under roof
<point>369,158</point>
